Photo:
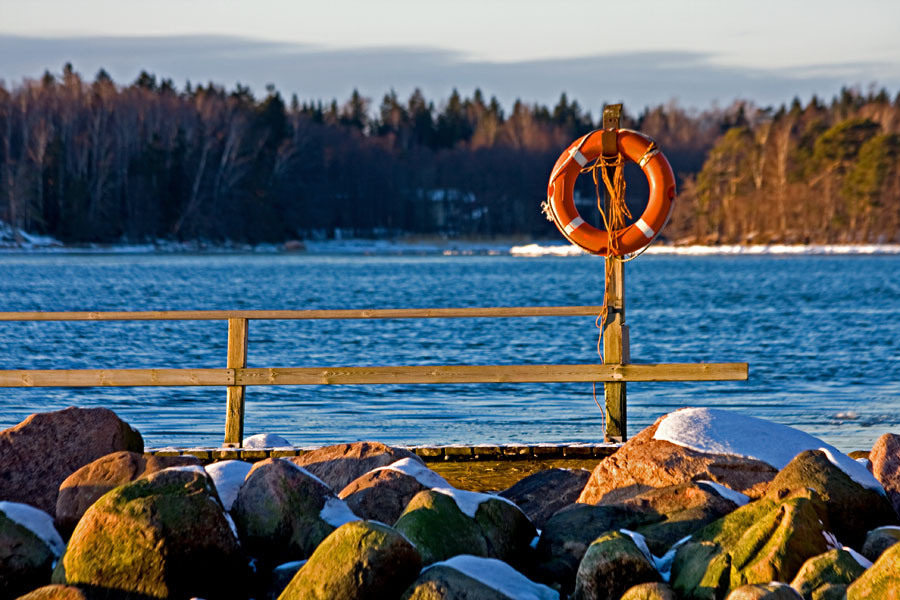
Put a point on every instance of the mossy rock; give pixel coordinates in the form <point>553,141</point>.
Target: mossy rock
<point>764,591</point>
<point>650,591</point>
<point>278,512</point>
<point>439,529</point>
<point>852,508</point>
<point>162,536</point>
<point>26,561</point>
<point>445,583</point>
<point>834,566</point>
<point>567,535</point>
<point>57,592</point>
<point>360,560</point>
<point>878,540</point>
<point>761,542</point>
<point>506,529</point>
<point>612,565</point>
<point>880,581</point>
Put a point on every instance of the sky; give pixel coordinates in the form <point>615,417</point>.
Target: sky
<point>699,53</point>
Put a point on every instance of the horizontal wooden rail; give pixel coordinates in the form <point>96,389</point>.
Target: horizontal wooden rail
<point>374,375</point>
<point>375,313</point>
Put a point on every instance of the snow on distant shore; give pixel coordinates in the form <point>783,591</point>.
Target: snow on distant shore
<point>735,249</point>
<point>14,240</point>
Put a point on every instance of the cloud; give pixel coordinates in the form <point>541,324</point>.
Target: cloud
<point>314,72</point>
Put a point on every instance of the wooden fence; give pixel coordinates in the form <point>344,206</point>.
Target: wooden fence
<point>235,376</point>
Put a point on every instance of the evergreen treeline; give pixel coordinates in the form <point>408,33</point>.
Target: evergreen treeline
<point>98,162</point>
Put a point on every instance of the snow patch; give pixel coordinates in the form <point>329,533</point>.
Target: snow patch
<point>188,469</point>
<point>417,471</point>
<point>228,476</point>
<point>290,566</point>
<point>468,502</point>
<point>718,431</point>
<point>641,542</point>
<point>726,492</point>
<point>552,250</point>
<point>663,563</point>
<point>336,512</point>
<point>37,522</point>
<point>831,540</point>
<point>265,440</point>
<point>233,527</point>
<point>864,562</point>
<point>498,575</point>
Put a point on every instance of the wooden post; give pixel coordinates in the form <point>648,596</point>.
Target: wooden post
<point>615,351</point>
<point>615,332</point>
<point>237,359</point>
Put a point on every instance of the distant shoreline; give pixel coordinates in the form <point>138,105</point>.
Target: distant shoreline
<point>433,247</point>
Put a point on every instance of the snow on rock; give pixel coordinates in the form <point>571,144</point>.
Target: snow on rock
<point>336,512</point>
<point>716,431</point>
<point>663,563</point>
<point>500,576</point>
<point>228,477</point>
<point>307,473</point>
<point>36,521</point>
<point>417,471</point>
<point>726,492</point>
<point>641,542</point>
<point>265,440</point>
<point>290,566</point>
<point>468,502</point>
<point>864,562</point>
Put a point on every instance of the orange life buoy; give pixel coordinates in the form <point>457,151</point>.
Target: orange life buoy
<point>560,194</point>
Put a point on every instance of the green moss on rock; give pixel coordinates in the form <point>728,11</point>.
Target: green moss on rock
<point>361,560</point>
<point>26,561</point>
<point>881,580</point>
<point>439,529</point>
<point>612,565</point>
<point>834,566</point>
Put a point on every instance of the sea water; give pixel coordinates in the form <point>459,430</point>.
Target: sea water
<point>821,335</point>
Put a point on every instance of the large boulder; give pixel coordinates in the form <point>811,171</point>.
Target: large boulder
<point>853,508</point>
<point>29,547</point>
<point>57,592</point>
<point>338,465</point>
<point>40,452</point>
<point>683,509</point>
<point>613,564</point>
<point>542,494</point>
<point>761,542</point>
<point>360,560</point>
<point>650,591</point>
<point>884,460</point>
<point>645,462</point>
<point>567,535</point>
<point>837,566</point>
<point>467,577</point>
<point>445,522</point>
<point>881,580</point>
<point>164,535</point>
<point>764,591</point>
<point>283,512</point>
<point>85,486</point>
<point>383,493</point>
<point>880,539</point>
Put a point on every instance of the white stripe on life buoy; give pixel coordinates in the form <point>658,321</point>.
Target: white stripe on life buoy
<point>580,158</point>
<point>574,224</point>
<point>645,229</point>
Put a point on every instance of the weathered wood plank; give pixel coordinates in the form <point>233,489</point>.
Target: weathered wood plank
<point>490,374</point>
<point>116,377</point>
<point>379,313</point>
<point>373,375</point>
<point>238,336</point>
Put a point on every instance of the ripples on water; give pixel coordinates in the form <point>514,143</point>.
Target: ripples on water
<point>820,333</point>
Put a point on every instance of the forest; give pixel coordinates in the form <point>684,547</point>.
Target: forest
<point>100,162</point>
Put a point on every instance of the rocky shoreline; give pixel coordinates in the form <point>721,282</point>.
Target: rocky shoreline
<point>704,504</point>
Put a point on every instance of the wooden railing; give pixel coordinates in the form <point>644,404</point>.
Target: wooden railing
<point>236,375</point>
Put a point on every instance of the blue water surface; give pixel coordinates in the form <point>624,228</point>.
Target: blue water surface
<point>820,333</point>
